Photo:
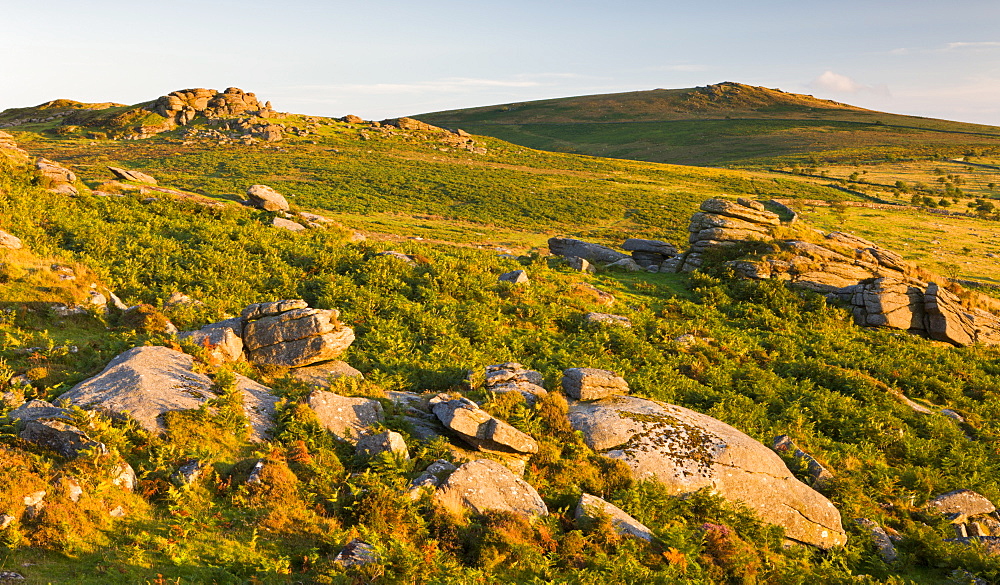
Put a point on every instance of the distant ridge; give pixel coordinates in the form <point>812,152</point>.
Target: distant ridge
<point>722,124</point>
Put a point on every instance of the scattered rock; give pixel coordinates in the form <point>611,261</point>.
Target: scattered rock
<point>188,473</point>
<point>593,318</point>
<point>280,222</point>
<point>222,343</point>
<point>592,384</point>
<point>10,576</point>
<point>478,428</point>
<point>133,176</point>
<point>686,451</point>
<point>591,508</point>
<point>881,539</point>
<point>181,107</point>
<point>430,479</point>
<point>580,264</point>
<point>254,477</point>
<point>9,241</point>
<point>266,198</point>
<point>483,485</point>
<point>356,553</point>
<point>370,446</point>
<point>124,476</point>
<point>579,249</point>
<point>57,178</point>
<point>34,503</point>
<point>61,437</point>
<point>515,277</point>
<point>352,119</point>
<point>513,377</point>
<point>626,264</point>
<point>347,418</point>
<point>397,255</point>
<point>821,476</point>
<point>6,520</point>
<point>258,407</point>
<point>649,253</point>
<point>320,375</point>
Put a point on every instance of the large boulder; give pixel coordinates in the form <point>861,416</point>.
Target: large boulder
<point>478,428</point>
<point>56,177</point>
<point>577,248</point>
<point>346,417</point>
<point>484,485</point>
<point>945,319</point>
<point>963,503</point>
<point>266,198</point>
<point>887,302</point>
<point>49,426</point>
<point>144,383</point>
<point>297,337</point>
<point>687,451</point>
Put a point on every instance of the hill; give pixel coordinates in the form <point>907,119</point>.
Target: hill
<point>727,124</point>
<point>252,473</point>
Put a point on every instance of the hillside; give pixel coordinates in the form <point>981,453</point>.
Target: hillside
<point>388,372</point>
<point>727,124</point>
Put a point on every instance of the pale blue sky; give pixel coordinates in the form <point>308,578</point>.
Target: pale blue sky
<point>384,58</point>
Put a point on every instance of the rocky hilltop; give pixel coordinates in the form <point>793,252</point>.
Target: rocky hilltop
<point>882,289</point>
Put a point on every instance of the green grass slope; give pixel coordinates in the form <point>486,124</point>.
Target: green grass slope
<point>724,124</point>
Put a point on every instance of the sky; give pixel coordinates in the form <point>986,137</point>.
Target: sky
<point>380,58</point>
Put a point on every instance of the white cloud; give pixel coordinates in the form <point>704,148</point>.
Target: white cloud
<point>975,45</point>
<point>836,82</point>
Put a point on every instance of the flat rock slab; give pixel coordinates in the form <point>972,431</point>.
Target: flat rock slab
<point>484,485</point>
<point>258,310</point>
<point>347,418</point>
<point>134,176</point>
<point>320,375</point>
<point>258,406</point>
<point>580,249</point>
<point>962,502</point>
<point>144,383</point>
<point>591,508</point>
<point>687,451</point>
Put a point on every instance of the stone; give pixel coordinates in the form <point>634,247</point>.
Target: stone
<point>430,479</point>
<point>627,264</point>
<point>144,383</point>
<point>821,476</point>
<point>513,377</point>
<point>881,539</point>
<point>397,255</point>
<point>686,451</point>
<point>514,277</point>
<point>9,241</point>
<point>222,343</point>
<point>592,384</point>
<point>298,337</point>
<point>651,246</point>
<point>580,264</point>
<point>740,211</point>
<point>39,409</point>
<point>133,176</point>
<point>370,446</point>
<point>321,374</point>
<point>888,302</point>
<point>347,418</point>
<point>484,485</point>
<point>124,476</point>
<point>259,310</point>
<point>352,119</point>
<point>591,508</point>
<point>577,248</point>
<point>478,428</point>
<point>11,576</point>
<point>188,473</point>
<point>945,319</point>
<point>266,198</point>
<point>61,437</point>
<point>962,502</point>
<point>34,503</point>
<point>6,520</point>
<point>356,553</point>
<point>59,178</point>
<point>287,224</point>
<point>594,318</point>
